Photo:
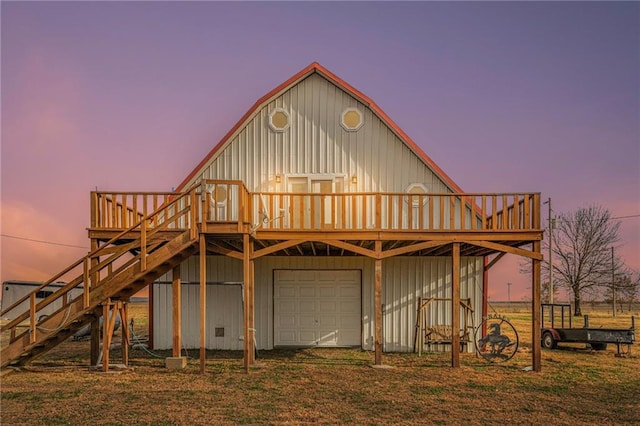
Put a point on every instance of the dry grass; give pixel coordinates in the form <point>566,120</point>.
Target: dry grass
<point>330,386</point>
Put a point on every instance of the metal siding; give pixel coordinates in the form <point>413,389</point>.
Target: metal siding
<point>407,278</point>
<point>224,305</point>
<point>315,142</point>
<point>404,280</point>
<point>14,291</point>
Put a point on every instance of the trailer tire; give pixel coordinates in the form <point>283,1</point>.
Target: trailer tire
<point>548,341</point>
<point>598,346</point>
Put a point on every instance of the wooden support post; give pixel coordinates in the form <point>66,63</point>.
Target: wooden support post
<point>105,335</point>
<point>203,303</point>
<point>125,337</point>
<point>455,306</point>
<point>177,313</point>
<point>252,298</point>
<point>95,323</point>
<point>535,309</point>
<point>378,304</point>
<point>246,296</point>
<point>95,337</point>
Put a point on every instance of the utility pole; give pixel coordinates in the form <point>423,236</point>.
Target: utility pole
<point>550,252</point>
<point>509,293</point>
<point>613,282</point>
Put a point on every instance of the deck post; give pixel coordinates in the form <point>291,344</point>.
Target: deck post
<point>177,313</point>
<point>203,303</point>
<point>95,322</point>
<point>455,306</point>
<point>535,311</point>
<point>95,340</point>
<point>246,295</point>
<point>125,337</point>
<point>106,337</point>
<point>252,325</point>
<point>378,303</point>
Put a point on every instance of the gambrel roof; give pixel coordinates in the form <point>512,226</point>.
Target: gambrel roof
<point>298,77</point>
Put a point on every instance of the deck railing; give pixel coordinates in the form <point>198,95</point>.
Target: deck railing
<point>395,211</point>
<point>222,201</point>
<point>228,202</point>
<point>120,210</point>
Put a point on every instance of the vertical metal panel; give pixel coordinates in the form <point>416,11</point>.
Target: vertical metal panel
<point>224,305</point>
<point>404,280</point>
<point>315,142</point>
<point>407,278</point>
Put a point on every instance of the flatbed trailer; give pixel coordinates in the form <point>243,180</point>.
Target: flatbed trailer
<point>560,330</point>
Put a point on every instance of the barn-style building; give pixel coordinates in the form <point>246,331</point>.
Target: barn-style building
<point>315,221</point>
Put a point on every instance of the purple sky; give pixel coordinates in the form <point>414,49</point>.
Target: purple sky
<point>504,96</point>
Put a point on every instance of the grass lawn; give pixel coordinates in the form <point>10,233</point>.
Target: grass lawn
<point>330,386</point>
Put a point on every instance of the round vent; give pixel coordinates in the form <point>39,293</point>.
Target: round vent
<point>279,120</point>
<point>351,119</point>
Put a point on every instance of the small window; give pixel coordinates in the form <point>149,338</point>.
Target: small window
<point>279,120</point>
<point>351,119</point>
<point>42,294</point>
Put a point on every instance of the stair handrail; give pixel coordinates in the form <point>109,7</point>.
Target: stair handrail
<point>64,290</point>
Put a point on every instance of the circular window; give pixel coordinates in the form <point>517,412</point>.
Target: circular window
<point>279,120</point>
<point>219,194</point>
<point>351,119</point>
<point>416,188</point>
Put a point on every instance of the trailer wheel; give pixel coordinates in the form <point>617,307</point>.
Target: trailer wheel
<point>598,346</point>
<point>548,341</point>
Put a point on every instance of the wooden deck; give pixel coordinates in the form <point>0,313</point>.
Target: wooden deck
<point>315,224</point>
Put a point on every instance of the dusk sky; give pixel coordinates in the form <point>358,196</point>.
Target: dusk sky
<point>503,96</point>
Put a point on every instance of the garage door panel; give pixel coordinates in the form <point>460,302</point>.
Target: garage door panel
<point>307,336</point>
<point>307,291</point>
<point>328,306</point>
<point>307,321</point>
<point>326,291</point>
<point>352,290</point>
<point>328,338</point>
<point>286,306</point>
<point>328,321</point>
<point>287,337</point>
<point>348,306</point>
<point>288,290</point>
<point>307,306</point>
<point>286,321</point>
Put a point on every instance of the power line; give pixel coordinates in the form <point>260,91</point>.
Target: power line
<point>626,217</point>
<point>44,242</point>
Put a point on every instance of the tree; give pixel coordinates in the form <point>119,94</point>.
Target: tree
<point>582,252</point>
<point>627,290</point>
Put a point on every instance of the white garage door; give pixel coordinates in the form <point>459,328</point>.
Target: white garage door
<point>317,308</point>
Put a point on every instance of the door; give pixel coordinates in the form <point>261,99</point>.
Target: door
<point>317,308</point>
<point>308,211</point>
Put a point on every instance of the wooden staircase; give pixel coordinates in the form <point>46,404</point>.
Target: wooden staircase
<point>115,271</point>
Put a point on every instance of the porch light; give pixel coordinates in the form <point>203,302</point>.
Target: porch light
<point>354,179</point>
<point>278,178</point>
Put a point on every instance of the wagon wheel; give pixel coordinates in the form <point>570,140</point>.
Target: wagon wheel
<point>501,342</point>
